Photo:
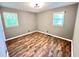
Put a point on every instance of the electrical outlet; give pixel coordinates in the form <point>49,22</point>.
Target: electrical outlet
<point>47,31</point>
<point>28,30</point>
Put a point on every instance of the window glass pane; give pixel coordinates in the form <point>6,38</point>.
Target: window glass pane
<point>58,19</point>
<point>11,19</point>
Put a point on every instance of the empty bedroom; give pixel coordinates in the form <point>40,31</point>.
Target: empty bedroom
<point>45,29</point>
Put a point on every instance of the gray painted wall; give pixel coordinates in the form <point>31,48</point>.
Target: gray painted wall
<point>76,36</point>
<point>45,21</point>
<point>26,20</point>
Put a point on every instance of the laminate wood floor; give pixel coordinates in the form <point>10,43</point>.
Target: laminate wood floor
<point>38,45</point>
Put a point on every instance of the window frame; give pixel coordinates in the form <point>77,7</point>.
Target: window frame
<point>5,19</point>
<point>62,20</point>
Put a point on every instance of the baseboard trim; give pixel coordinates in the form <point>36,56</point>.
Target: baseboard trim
<point>20,35</point>
<point>55,36</point>
<point>40,32</point>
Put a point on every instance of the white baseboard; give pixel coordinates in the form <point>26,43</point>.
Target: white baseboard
<point>56,36</point>
<point>40,32</point>
<point>20,35</point>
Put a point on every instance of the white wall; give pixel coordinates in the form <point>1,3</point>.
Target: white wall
<point>76,36</point>
<point>3,49</point>
<point>45,20</point>
<point>26,20</point>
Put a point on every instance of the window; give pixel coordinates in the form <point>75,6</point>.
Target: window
<point>11,19</point>
<point>58,19</point>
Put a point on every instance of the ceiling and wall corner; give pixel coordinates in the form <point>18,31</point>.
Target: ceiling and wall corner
<point>45,22</point>
<point>26,7</point>
<point>24,18</point>
<point>33,20</point>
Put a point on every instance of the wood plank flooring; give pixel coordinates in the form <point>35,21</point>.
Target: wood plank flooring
<point>38,45</point>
